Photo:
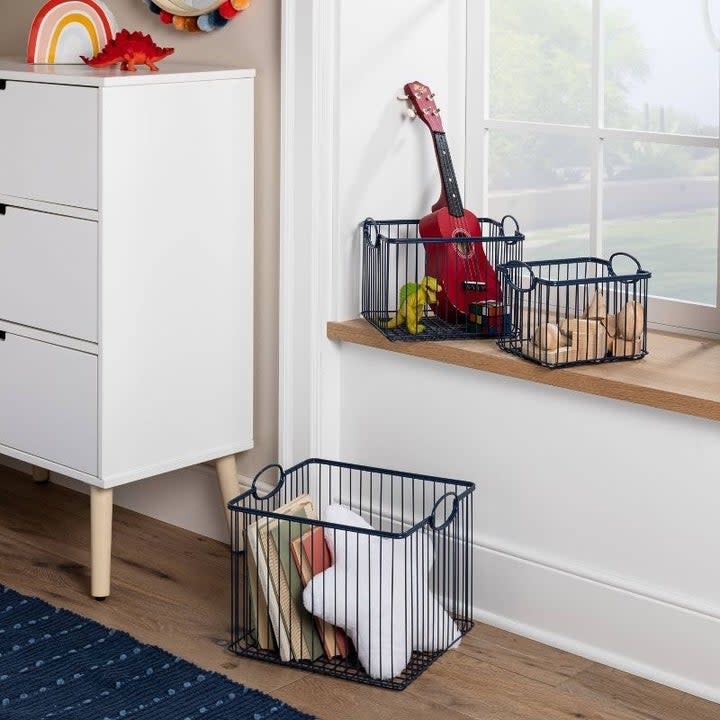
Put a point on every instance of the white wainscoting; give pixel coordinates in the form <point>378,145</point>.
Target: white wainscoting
<point>595,520</point>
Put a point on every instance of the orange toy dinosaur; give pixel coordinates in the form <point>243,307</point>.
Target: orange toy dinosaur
<point>129,49</point>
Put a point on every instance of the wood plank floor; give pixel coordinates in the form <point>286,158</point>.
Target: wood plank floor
<point>170,588</point>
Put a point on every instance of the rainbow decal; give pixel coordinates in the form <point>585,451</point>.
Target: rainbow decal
<point>64,30</point>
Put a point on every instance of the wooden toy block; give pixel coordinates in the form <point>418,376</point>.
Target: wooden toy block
<point>623,347</point>
<point>592,345</point>
<point>580,326</point>
<point>566,326</point>
<point>560,356</point>
<point>548,337</point>
<point>630,321</point>
<point>610,323</point>
<point>597,309</point>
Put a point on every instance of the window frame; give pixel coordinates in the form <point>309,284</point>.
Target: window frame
<point>665,313</point>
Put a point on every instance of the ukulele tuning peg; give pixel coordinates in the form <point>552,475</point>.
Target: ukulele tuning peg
<point>437,111</point>
<point>402,98</point>
<point>432,96</point>
<point>411,113</point>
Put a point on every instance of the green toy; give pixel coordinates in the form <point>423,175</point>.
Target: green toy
<point>412,304</point>
<point>405,290</point>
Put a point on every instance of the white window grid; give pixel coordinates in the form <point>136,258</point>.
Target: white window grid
<point>663,313</point>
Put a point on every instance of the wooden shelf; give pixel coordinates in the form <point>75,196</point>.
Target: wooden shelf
<point>681,373</point>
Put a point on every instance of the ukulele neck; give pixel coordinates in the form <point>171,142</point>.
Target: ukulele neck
<point>450,189</point>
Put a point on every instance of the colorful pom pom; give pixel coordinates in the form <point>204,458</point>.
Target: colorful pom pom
<point>227,10</point>
<point>204,23</point>
<point>218,20</point>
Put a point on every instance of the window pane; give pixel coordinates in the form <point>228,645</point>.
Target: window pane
<point>540,60</point>
<point>543,180</point>
<point>661,69</point>
<point>661,205</point>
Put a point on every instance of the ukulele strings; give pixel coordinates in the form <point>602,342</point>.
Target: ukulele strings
<point>475,264</point>
<point>472,259</point>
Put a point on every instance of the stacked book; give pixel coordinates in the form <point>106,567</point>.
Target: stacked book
<point>282,557</point>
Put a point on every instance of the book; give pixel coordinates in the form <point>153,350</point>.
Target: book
<point>317,551</point>
<point>305,641</point>
<point>267,586</point>
<point>283,606</point>
<point>312,556</point>
<point>258,609</point>
<point>300,559</point>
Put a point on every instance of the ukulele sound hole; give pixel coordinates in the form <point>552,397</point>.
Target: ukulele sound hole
<point>464,250</point>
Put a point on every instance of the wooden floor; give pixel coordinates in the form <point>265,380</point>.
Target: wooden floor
<point>170,588</point>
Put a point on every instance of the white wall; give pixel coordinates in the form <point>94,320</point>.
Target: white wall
<point>386,162</point>
<point>595,520</point>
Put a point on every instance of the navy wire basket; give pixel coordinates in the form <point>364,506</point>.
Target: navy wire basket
<point>358,572</point>
<point>418,289</point>
<point>576,311</point>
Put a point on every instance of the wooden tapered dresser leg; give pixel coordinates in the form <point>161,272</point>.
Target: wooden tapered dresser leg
<point>228,482</point>
<point>40,475</point>
<point>101,510</point>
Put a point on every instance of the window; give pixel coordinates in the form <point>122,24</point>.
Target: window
<point>595,123</point>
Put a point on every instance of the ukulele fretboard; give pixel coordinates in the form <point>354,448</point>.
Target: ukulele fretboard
<point>447,175</point>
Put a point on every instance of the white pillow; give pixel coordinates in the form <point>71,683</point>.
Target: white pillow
<point>433,628</point>
<point>377,591</point>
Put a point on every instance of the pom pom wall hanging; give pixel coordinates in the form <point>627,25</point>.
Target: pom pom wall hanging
<point>197,15</point>
<point>63,30</point>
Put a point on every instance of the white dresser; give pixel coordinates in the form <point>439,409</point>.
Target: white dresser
<point>126,273</point>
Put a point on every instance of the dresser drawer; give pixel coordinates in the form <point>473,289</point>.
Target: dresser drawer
<point>49,272</point>
<point>49,143</point>
<point>48,402</point>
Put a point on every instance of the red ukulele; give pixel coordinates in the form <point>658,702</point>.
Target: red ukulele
<point>461,268</point>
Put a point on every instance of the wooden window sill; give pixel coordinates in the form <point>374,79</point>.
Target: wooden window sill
<point>681,373</point>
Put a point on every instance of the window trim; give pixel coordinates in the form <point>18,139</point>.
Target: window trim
<point>677,315</point>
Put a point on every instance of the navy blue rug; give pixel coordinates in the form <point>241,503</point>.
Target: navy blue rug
<point>60,666</point>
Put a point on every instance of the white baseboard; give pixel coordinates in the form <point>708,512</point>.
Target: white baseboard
<point>653,639</point>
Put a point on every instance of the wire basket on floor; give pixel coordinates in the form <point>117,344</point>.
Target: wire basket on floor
<point>576,311</point>
<point>433,288</point>
<point>352,571</point>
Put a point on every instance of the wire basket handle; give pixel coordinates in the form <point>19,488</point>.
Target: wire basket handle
<point>433,518</point>
<point>514,265</point>
<point>631,257</point>
<point>277,487</point>
<point>516,234</point>
<point>368,237</point>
